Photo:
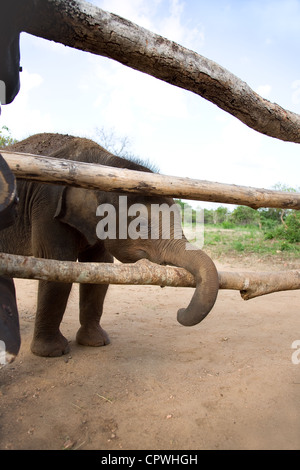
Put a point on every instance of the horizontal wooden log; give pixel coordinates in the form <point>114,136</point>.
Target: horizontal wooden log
<point>253,284</point>
<point>143,272</point>
<point>84,26</point>
<point>93,176</point>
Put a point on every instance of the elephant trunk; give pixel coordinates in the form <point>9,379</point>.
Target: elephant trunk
<point>199,264</point>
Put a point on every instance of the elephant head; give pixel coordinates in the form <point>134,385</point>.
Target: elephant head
<point>131,230</point>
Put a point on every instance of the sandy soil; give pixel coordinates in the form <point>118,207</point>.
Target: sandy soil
<point>228,383</point>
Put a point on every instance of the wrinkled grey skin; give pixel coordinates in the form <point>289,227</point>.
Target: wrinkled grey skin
<point>60,222</point>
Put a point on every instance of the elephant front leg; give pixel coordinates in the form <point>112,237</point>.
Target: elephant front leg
<point>91,306</point>
<point>51,305</point>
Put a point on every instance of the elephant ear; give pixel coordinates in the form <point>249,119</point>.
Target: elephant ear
<point>77,208</point>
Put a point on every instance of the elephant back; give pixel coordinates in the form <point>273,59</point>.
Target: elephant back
<point>41,144</point>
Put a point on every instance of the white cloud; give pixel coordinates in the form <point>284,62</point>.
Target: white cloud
<point>29,81</point>
<point>171,25</point>
<point>173,28</point>
<point>129,100</point>
<point>127,103</point>
<point>19,117</point>
<point>44,45</point>
<point>235,157</point>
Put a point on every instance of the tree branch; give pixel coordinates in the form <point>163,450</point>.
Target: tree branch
<point>86,27</point>
<point>105,178</point>
<point>250,284</point>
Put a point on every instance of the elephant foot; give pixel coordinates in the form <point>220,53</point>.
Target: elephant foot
<point>50,347</point>
<point>92,336</point>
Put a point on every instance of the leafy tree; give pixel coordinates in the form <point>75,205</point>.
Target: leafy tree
<point>221,215</point>
<point>292,227</point>
<point>208,216</point>
<point>5,137</point>
<point>290,231</point>
<point>270,217</point>
<point>285,188</point>
<point>188,210</point>
<point>278,215</point>
<point>282,224</point>
<point>244,215</point>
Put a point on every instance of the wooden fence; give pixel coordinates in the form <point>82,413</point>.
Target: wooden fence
<point>93,176</point>
<point>84,26</point>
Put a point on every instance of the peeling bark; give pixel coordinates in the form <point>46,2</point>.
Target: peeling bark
<point>250,284</point>
<point>86,27</point>
<point>105,178</point>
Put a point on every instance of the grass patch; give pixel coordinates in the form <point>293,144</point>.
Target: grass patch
<point>246,240</point>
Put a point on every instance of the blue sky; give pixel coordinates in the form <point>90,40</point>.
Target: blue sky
<point>69,91</point>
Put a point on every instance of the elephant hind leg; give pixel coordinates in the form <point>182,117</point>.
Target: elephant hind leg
<point>92,298</point>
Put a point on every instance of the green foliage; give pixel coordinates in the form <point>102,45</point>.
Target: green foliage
<point>244,215</point>
<point>180,203</point>
<point>271,217</point>
<point>293,226</point>
<point>227,224</point>
<point>266,231</point>
<point>238,246</point>
<point>289,231</point>
<point>185,206</point>
<point>221,215</point>
<point>285,188</point>
<point>217,216</point>
<point>208,216</point>
<point>5,137</point>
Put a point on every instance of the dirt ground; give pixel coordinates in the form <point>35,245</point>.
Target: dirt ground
<point>227,383</point>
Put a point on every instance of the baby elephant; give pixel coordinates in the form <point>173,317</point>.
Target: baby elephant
<point>69,224</point>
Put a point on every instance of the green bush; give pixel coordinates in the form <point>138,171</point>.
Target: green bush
<point>244,215</point>
<point>285,246</point>
<point>293,227</point>
<point>277,232</point>
<point>238,246</point>
<point>290,231</point>
<point>5,137</point>
<point>228,225</point>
